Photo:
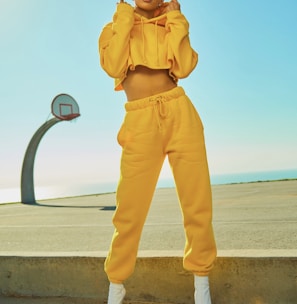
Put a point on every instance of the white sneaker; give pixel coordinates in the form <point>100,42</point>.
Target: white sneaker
<point>202,294</point>
<point>116,293</point>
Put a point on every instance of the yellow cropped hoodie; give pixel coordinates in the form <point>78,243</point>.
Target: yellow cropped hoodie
<point>158,43</point>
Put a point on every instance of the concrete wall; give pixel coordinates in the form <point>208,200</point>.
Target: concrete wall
<point>238,277</point>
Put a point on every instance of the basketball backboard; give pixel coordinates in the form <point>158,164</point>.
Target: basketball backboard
<point>64,107</point>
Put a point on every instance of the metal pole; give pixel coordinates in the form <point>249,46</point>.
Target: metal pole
<point>27,178</point>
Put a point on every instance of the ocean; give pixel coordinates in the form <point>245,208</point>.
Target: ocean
<point>8,195</point>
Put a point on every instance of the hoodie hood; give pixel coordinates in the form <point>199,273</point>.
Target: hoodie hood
<point>159,20</point>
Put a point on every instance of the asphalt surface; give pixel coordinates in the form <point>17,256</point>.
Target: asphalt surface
<point>251,216</point>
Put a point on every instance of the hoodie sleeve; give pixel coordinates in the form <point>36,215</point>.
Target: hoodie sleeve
<point>114,41</point>
<point>182,57</point>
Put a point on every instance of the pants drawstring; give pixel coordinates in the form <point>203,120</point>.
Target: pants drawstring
<point>160,109</point>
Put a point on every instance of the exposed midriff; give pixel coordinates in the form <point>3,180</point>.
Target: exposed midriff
<point>144,82</point>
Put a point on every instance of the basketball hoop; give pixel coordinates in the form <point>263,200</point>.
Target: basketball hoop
<point>69,116</point>
<point>64,107</point>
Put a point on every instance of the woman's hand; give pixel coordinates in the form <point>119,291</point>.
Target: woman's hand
<point>173,5</point>
<point>123,1</point>
<point>167,7</point>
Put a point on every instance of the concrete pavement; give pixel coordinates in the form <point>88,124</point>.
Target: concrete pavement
<point>55,250</point>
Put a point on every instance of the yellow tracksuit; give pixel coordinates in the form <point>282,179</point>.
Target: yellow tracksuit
<point>162,125</point>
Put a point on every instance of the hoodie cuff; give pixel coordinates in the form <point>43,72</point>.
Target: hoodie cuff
<point>124,15</point>
<point>125,8</point>
<point>177,18</point>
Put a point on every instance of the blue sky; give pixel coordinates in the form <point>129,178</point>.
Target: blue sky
<point>244,87</point>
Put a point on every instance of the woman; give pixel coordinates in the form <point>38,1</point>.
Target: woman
<point>146,49</point>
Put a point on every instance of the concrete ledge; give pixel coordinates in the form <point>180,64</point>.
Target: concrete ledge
<point>239,277</point>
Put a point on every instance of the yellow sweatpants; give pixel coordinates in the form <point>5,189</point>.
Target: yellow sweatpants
<point>162,125</point>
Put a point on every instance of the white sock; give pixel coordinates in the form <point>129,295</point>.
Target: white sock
<point>201,295</point>
<point>116,293</point>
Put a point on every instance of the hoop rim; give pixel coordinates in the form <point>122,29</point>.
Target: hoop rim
<point>69,116</point>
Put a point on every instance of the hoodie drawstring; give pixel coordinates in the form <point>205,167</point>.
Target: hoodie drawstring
<point>156,41</point>
<point>143,42</point>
